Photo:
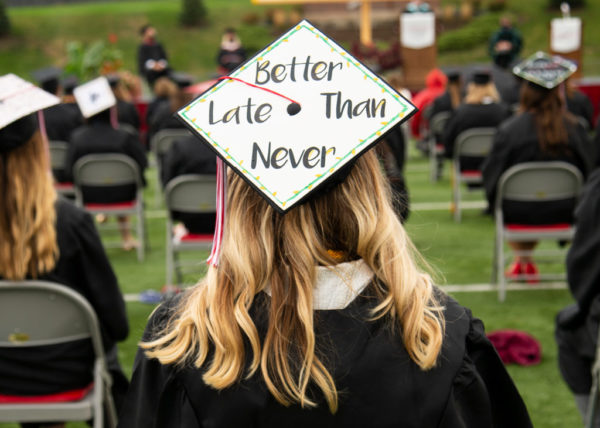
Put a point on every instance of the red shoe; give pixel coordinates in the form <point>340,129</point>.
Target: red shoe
<point>533,274</point>
<point>514,271</point>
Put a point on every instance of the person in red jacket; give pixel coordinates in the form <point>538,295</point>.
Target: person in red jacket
<point>435,85</point>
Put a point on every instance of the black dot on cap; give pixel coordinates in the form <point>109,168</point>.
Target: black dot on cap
<point>293,109</point>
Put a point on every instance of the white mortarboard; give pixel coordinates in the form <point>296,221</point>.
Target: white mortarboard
<point>287,151</point>
<point>545,70</point>
<point>94,97</point>
<point>18,100</point>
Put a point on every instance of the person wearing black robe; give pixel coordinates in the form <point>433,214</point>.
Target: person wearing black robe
<point>127,113</point>
<point>577,324</point>
<point>482,109</point>
<point>190,156</point>
<point>580,105</point>
<point>231,52</point>
<point>152,57</point>
<point>164,88</point>
<point>382,386</point>
<point>392,152</point>
<point>163,116</point>
<point>69,84</point>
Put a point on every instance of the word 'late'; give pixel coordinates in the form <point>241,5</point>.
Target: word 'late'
<point>278,158</point>
<point>260,114</point>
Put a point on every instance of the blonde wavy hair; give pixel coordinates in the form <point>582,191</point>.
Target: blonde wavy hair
<point>280,252</point>
<point>476,94</point>
<point>28,246</point>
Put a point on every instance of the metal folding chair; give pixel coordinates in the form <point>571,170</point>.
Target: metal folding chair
<point>160,145</point>
<point>58,156</point>
<point>436,149</point>
<point>533,182</point>
<point>592,405</point>
<point>474,143</point>
<point>38,313</point>
<point>106,170</point>
<point>191,194</point>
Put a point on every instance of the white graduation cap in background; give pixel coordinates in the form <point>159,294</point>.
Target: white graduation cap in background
<point>94,96</point>
<point>292,116</point>
<point>19,98</point>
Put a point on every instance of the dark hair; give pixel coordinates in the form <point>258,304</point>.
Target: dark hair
<point>51,86</point>
<point>551,120</point>
<point>144,28</point>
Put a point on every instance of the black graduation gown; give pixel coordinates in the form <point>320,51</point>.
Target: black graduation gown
<point>84,267</point>
<point>190,156</point>
<point>128,114</point>
<point>468,116</point>
<point>441,104</point>
<point>163,118</point>
<point>577,324</point>
<point>156,52</point>
<point>100,137</point>
<point>393,155</point>
<point>580,105</point>
<point>153,107</point>
<point>516,142</point>
<point>379,384</point>
<point>231,59</point>
<point>507,84</point>
<point>60,121</point>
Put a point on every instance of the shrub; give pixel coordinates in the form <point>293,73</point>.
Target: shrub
<point>193,13</point>
<point>475,33</point>
<point>4,21</point>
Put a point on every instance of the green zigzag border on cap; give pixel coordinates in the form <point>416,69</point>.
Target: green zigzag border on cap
<point>257,57</point>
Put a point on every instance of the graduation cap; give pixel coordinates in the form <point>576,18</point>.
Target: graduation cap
<point>482,76</point>
<point>69,83</point>
<point>94,97</point>
<point>453,75</point>
<point>182,80</point>
<point>48,78</point>
<point>18,100</point>
<point>545,70</point>
<point>291,118</point>
<point>113,79</point>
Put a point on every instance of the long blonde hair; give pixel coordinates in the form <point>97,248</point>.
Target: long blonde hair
<point>263,249</point>
<point>28,244</point>
<point>476,94</point>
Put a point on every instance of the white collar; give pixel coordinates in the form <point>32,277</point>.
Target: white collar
<point>337,286</point>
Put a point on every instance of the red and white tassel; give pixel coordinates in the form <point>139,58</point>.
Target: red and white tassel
<point>213,259</point>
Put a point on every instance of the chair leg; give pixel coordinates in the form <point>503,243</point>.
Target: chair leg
<point>157,188</point>
<point>170,256</point>
<point>456,199</point>
<point>177,266</point>
<point>141,232</point>
<point>501,281</point>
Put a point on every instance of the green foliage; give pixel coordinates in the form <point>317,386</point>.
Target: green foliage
<point>4,21</point>
<point>193,13</point>
<point>555,4</point>
<point>477,32</point>
<point>89,61</point>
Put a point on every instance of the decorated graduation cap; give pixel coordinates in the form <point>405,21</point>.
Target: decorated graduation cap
<point>545,70</point>
<point>94,97</point>
<point>48,78</point>
<point>292,117</point>
<point>18,100</point>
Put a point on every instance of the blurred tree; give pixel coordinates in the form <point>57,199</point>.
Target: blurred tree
<point>193,13</point>
<point>4,21</point>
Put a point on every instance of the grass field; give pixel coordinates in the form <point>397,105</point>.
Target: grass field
<point>461,254</point>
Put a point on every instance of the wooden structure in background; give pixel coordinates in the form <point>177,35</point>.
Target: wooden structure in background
<point>566,40</point>
<point>419,55</point>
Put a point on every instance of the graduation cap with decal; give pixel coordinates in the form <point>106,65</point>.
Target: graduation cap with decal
<point>545,70</point>
<point>94,97</point>
<point>18,100</point>
<point>290,118</point>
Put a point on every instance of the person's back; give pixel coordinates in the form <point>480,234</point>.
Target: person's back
<point>61,120</point>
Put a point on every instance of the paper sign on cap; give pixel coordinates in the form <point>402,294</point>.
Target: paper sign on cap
<point>545,70</point>
<point>295,114</point>
<point>94,96</point>
<point>18,98</point>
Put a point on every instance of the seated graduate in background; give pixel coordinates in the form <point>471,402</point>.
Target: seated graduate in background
<point>60,120</point>
<point>69,83</point>
<point>542,131</point>
<point>163,117</point>
<point>164,89</point>
<point>100,135</point>
<point>579,104</point>
<point>126,111</point>
<point>482,108</point>
<point>152,57</point>
<point>47,238</point>
<point>190,156</point>
<point>435,85</point>
<point>231,52</point>
<point>577,324</point>
<point>450,100</point>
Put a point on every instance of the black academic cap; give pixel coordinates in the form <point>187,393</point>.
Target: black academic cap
<point>69,83</point>
<point>113,79</point>
<point>545,71</point>
<point>48,78</point>
<point>182,80</point>
<point>482,77</point>
<point>453,75</point>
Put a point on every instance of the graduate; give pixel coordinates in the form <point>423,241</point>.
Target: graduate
<point>126,112</point>
<point>314,312</point>
<point>162,117</point>
<point>542,131</point>
<point>47,238</point>
<point>152,57</point>
<point>101,135</point>
<point>231,52</point>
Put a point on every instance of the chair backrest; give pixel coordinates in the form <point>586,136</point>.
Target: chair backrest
<point>191,193</point>
<point>474,142</point>
<point>438,122</point>
<point>107,169</point>
<point>58,154</point>
<point>38,313</point>
<point>538,182</point>
<point>163,139</point>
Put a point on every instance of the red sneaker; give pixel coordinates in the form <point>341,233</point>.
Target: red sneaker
<point>514,270</point>
<point>532,270</point>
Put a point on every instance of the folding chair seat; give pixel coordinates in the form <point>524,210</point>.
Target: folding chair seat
<point>533,183</point>
<point>190,194</point>
<point>436,149</point>
<point>38,313</point>
<point>475,144</point>
<point>58,155</point>
<point>106,171</point>
<point>159,146</point>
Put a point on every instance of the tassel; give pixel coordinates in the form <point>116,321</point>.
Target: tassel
<point>114,117</point>
<point>213,259</point>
